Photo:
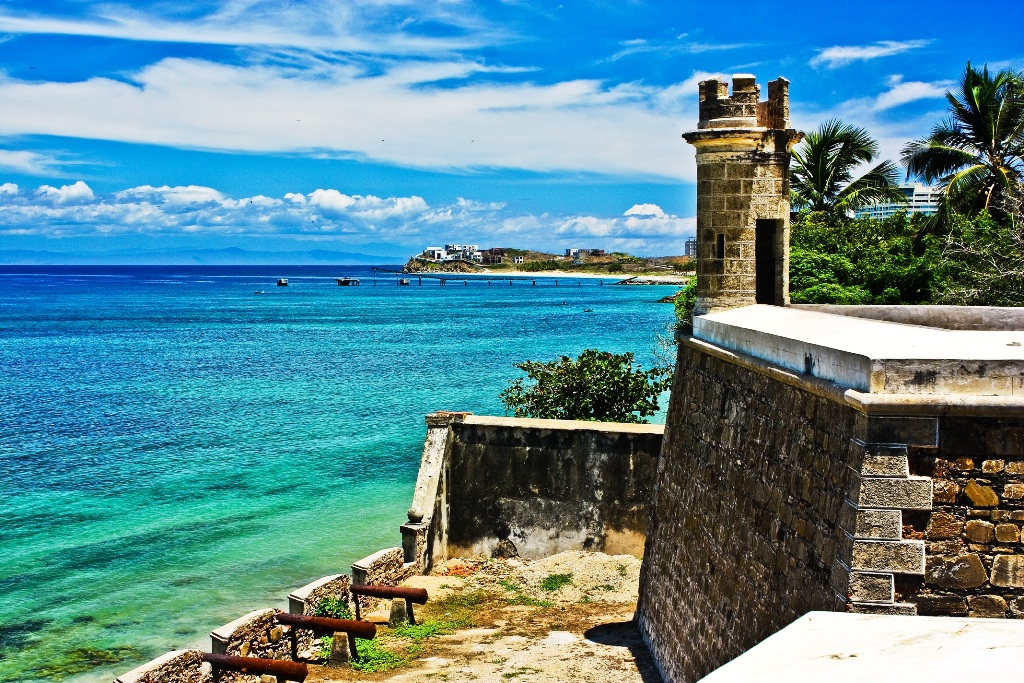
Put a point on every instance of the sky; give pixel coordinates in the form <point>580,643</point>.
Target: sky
<point>153,130</point>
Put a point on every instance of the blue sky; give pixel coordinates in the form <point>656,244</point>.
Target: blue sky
<point>383,126</point>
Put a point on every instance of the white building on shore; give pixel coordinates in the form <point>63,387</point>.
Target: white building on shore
<point>920,199</point>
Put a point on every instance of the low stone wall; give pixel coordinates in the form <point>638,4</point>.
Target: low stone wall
<point>179,666</point>
<point>534,487</point>
<point>383,568</point>
<point>257,634</point>
<point>307,599</point>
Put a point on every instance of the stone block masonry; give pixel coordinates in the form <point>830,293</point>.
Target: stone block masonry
<point>780,493</point>
<point>742,193</point>
<point>975,535</point>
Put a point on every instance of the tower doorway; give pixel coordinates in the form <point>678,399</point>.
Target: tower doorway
<point>765,261</point>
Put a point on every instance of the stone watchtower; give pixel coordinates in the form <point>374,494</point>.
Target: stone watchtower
<point>742,194</point>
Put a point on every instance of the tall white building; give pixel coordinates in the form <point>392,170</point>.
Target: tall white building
<point>920,199</point>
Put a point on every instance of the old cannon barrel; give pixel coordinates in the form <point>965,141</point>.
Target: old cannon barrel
<point>283,670</point>
<point>359,629</point>
<point>416,595</point>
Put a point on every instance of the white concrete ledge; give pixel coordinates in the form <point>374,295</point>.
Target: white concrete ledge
<point>910,405</point>
<point>873,356</point>
<point>858,648</point>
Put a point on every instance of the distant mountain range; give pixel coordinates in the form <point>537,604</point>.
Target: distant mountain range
<point>196,257</point>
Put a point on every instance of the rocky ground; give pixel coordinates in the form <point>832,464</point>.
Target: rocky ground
<point>564,618</point>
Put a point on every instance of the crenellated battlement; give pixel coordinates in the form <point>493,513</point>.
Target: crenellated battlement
<point>744,109</point>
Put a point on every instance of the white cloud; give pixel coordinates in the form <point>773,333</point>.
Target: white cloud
<point>31,163</point>
<point>312,25</point>
<point>79,193</point>
<point>679,47</point>
<point>841,55</point>
<point>645,210</point>
<point>331,200</point>
<point>397,116</point>
<point>182,195</point>
<point>324,214</point>
<point>901,92</point>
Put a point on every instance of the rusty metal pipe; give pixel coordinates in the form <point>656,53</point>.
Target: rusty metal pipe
<point>416,595</point>
<point>254,666</point>
<point>359,629</point>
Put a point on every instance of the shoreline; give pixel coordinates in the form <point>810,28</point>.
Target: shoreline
<point>679,280</point>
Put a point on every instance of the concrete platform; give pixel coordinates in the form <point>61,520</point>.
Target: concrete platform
<point>860,648</point>
<point>871,355</point>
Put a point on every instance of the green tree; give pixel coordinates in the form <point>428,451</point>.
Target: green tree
<point>596,386</point>
<point>835,259</point>
<point>976,155</point>
<point>823,168</point>
<point>983,259</point>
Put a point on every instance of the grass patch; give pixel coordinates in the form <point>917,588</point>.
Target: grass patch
<point>553,582</point>
<point>518,597</point>
<point>521,671</point>
<point>326,645</point>
<point>606,587</point>
<point>429,629</point>
<point>375,658</point>
<point>622,570</point>
<point>528,601</point>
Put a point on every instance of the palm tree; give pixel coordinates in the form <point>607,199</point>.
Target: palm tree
<point>822,175</point>
<point>977,154</point>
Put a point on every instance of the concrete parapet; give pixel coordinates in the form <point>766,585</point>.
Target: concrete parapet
<point>256,634</point>
<point>382,568</point>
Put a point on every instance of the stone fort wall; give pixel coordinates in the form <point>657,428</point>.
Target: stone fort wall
<point>778,494</point>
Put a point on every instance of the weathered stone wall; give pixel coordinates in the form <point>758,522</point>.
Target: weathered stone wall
<point>549,485</point>
<point>257,634</point>
<point>179,666</point>
<point>383,568</point>
<point>774,497</point>
<point>746,532</point>
<point>307,599</point>
<point>975,547</point>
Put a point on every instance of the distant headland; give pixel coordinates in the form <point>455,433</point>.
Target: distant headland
<point>469,258</point>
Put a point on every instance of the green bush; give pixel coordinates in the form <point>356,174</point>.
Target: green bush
<point>334,608</point>
<point>596,386</point>
<point>685,300</point>
<point>839,260</point>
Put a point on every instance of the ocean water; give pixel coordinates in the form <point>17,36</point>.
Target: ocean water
<point>177,450</point>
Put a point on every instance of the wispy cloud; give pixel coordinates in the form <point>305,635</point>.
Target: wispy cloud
<point>902,92</point>
<point>31,163</point>
<point>398,115</point>
<point>379,27</point>
<point>325,214</point>
<point>841,55</point>
<point>671,48</point>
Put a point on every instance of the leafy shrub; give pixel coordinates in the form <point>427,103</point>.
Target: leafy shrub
<point>334,608</point>
<point>596,386</point>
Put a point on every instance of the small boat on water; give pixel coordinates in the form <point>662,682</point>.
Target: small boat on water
<point>346,281</point>
<point>282,282</point>
<point>258,291</point>
<point>404,281</point>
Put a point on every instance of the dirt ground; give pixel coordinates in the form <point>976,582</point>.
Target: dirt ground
<point>564,618</point>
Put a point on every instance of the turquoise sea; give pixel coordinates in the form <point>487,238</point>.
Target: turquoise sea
<point>177,450</point>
